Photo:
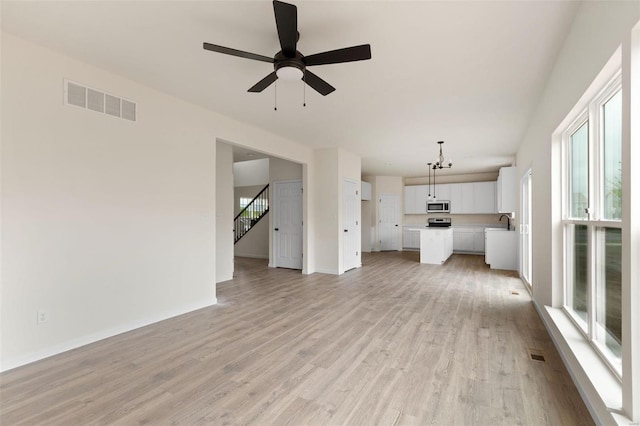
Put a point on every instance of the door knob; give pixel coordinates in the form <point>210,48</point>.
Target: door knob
<point>277,229</point>
<point>346,230</point>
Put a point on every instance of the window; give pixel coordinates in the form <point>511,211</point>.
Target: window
<point>592,223</point>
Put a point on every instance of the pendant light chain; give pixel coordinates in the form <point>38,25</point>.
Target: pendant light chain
<point>304,89</point>
<point>275,96</point>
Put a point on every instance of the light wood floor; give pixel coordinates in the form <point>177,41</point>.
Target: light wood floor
<point>394,342</point>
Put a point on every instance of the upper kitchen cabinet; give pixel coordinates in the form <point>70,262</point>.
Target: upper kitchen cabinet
<point>473,198</point>
<point>484,197</point>
<point>415,199</point>
<point>507,190</point>
<point>442,192</point>
<point>365,191</point>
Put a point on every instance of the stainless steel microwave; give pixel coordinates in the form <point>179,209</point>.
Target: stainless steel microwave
<point>437,206</point>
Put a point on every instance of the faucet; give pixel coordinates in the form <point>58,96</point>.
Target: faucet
<point>508,221</point>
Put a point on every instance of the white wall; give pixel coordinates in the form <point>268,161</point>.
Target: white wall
<point>107,224</point>
<point>224,212</point>
<point>326,192</point>
<point>597,31</point>
<point>249,173</point>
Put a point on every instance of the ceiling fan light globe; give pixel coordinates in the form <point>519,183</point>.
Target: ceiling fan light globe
<point>289,73</point>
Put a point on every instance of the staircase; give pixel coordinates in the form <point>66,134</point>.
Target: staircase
<point>251,214</point>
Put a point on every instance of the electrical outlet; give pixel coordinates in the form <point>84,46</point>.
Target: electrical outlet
<point>42,317</point>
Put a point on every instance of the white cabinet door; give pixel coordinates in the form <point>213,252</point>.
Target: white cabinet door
<point>365,191</point>
<point>415,199</point>
<point>478,241</point>
<point>455,191</point>
<point>507,189</point>
<point>462,240</point>
<point>443,191</point>
<point>411,239</point>
<point>409,199</point>
<point>484,197</point>
<point>422,193</point>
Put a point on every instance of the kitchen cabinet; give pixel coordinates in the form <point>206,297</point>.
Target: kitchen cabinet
<point>436,245</point>
<point>462,199</point>
<point>501,248</point>
<point>507,190</point>
<point>415,199</point>
<point>484,197</point>
<point>411,237</point>
<point>473,198</point>
<point>463,240</point>
<point>468,239</point>
<point>442,191</point>
<point>409,199</point>
<point>466,198</point>
<point>365,191</point>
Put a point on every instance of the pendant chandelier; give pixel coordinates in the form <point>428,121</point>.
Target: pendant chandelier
<point>439,164</point>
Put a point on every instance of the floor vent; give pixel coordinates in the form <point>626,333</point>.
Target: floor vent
<point>85,97</point>
<point>515,292</point>
<point>536,355</point>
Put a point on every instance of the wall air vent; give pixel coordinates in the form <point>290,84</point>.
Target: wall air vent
<point>85,97</point>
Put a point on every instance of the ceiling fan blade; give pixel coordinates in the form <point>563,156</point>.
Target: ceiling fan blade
<point>235,52</point>
<point>287,23</point>
<point>348,54</point>
<point>264,83</point>
<point>318,84</point>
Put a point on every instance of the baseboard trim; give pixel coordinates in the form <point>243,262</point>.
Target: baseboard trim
<point>101,335</point>
<point>327,271</point>
<point>252,256</point>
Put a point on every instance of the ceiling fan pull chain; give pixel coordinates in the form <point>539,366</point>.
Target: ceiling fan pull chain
<point>275,96</point>
<point>304,90</point>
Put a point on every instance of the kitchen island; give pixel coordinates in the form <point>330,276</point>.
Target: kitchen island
<point>436,244</point>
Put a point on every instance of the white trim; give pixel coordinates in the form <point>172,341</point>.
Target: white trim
<point>600,389</point>
<point>252,256</point>
<point>101,335</point>
<point>327,271</point>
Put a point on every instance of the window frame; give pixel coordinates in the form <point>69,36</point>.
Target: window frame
<point>592,115</point>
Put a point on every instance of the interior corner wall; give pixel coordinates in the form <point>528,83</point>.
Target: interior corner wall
<point>224,212</point>
<point>107,224</point>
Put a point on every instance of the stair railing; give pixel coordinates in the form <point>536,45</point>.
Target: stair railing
<point>251,214</point>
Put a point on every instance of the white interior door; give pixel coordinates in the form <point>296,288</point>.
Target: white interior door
<point>287,224</point>
<point>525,228</point>
<point>388,224</point>
<point>350,224</point>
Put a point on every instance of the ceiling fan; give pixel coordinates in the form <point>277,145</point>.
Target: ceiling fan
<point>289,64</point>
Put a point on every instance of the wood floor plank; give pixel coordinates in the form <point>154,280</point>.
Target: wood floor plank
<point>393,343</point>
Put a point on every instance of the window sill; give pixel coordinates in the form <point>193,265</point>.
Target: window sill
<point>600,388</point>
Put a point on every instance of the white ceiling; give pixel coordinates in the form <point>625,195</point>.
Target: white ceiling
<point>469,73</point>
